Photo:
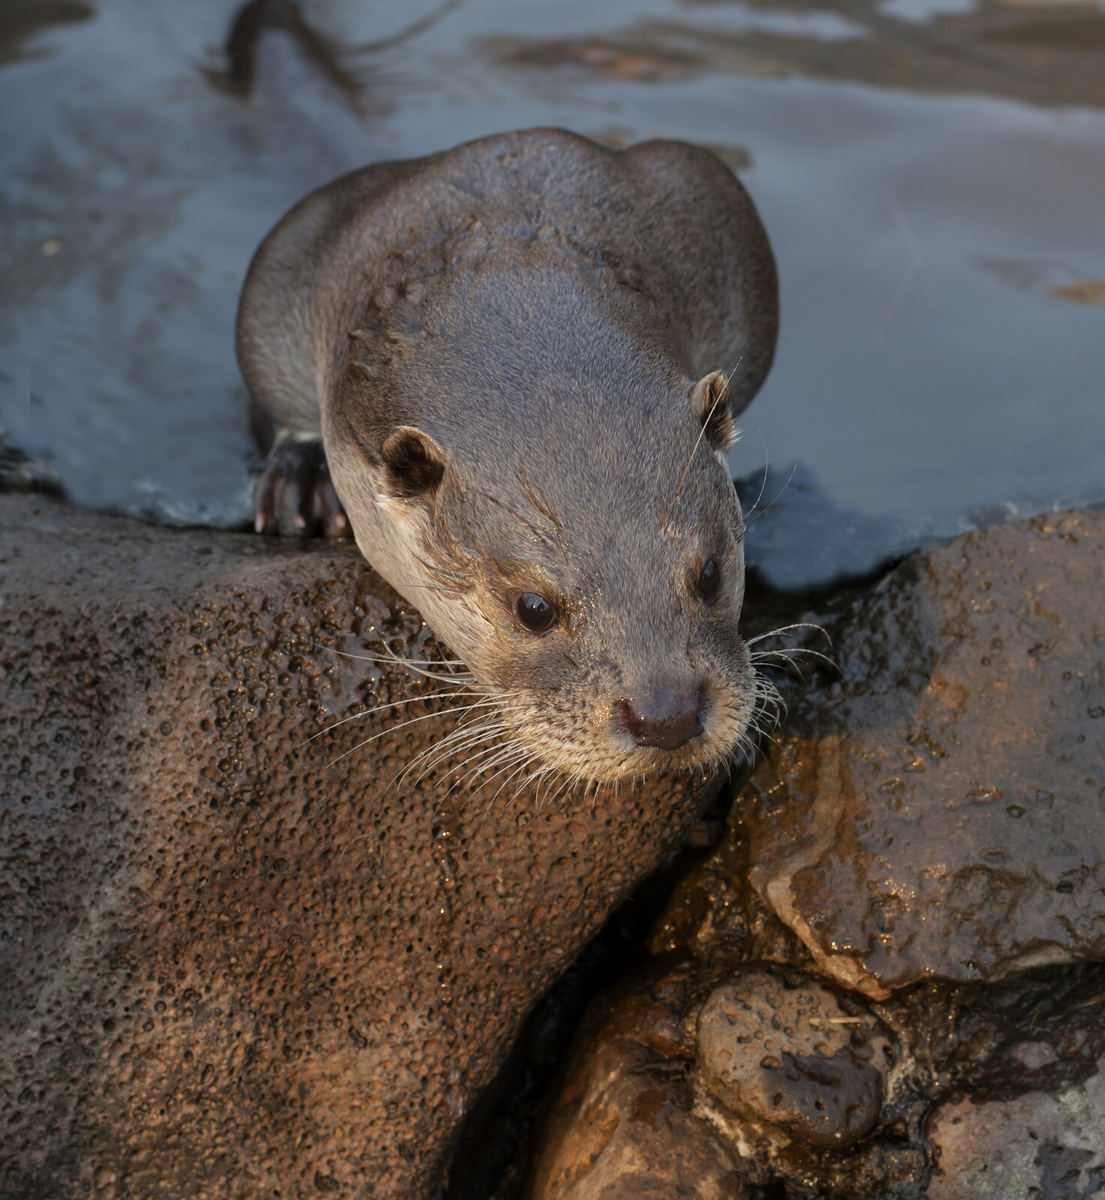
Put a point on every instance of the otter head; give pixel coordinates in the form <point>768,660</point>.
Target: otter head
<point>524,455</point>
<point>590,573</point>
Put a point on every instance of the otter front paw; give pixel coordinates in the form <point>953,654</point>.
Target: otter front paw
<point>294,496</point>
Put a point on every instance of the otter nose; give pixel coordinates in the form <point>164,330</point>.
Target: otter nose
<point>667,719</point>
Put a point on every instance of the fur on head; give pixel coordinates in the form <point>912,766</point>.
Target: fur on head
<point>551,490</point>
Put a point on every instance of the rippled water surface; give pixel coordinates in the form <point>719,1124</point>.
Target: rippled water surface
<point>931,172</point>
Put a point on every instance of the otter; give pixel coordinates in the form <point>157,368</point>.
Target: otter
<point>513,368</point>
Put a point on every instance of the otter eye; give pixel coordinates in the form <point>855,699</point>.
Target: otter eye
<point>535,612</point>
<point>709,581</point>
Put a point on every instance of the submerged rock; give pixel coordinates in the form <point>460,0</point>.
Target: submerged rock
<point>238,961</point>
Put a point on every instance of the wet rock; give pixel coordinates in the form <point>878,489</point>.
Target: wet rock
<point>624,1125</point>
<point>1038,1146</point>
<point>736,1082</point>
<point>887,979</point>
<point>636,1137</point>
<point>937,810</point>
<point>786,1053</point>
<point>602,58</point>
<point>238,961</point>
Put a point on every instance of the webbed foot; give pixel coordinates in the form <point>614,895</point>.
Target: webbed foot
<point>294,496</point>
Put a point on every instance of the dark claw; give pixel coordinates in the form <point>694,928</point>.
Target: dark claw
<point>294,496</point>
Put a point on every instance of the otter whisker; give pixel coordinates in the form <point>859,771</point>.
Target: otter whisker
<point>448,742</point>
<point>459,740</point>
<point>509,768</point>
<point>756,515</point>
<point>765,657</point>
<point>574,780</point>
<point>786,629</point>
<point>391,657</point>
<point>531,782</point>
<point>544,778</point>
<point>479,744</point>
<point>518,764</point>
<point>500,754</point>
<point>503,756</point>
<point>392,729</point>
<point>471,737</point>
<point>369,711</point>
<point>457,679</point>
<point>535,771</point>
<point>468,770</point>
<point>763,482</point>
<point>549,779</point>
<point>563,790</point>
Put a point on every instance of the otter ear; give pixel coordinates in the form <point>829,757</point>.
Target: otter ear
<point>711,399</point>
<point>414,464</point>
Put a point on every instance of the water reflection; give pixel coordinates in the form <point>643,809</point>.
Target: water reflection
<point>930,172</point>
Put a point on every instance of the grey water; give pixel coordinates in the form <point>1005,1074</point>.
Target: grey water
<point>931,173</point>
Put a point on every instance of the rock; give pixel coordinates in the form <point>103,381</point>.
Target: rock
<point>708,1085</point>
<point>918,861</point>
<point>996,1063</point>
<point>937,810</point>
<point>238,962</point>
<point>1035,1147</point>
<point>637,1139</point>
<point>785,1052</point>
<point>624,1126</point>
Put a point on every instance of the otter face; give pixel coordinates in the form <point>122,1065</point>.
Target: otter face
<point>603,617</point>
<point>638,668</point>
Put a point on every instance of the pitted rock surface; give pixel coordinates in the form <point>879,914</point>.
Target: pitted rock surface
<point>938,810</point>
<point>1037,1146</point>
<point>237,962</point>
<point>787,1053</point>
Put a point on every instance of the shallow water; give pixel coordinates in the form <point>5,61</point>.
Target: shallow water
<point>931,173</point>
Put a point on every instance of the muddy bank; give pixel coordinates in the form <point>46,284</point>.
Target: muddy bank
<point>237,959</point>
<point>889,978</point>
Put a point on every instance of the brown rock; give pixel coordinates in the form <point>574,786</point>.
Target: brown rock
<point>635,1138</point>
<point>932,818</point>
<point>728,1085</point>
<point>624,1126</point>
<point>237,962</point>
<point>785,1052</point>
<point>937,811</point>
